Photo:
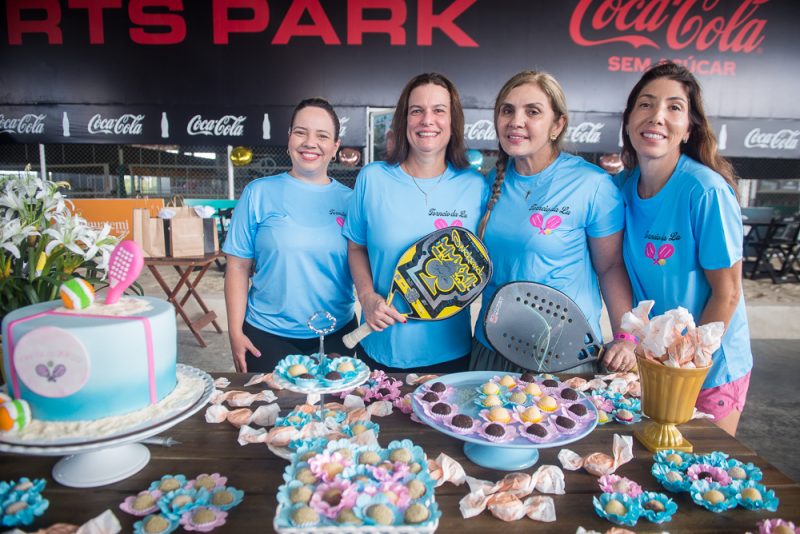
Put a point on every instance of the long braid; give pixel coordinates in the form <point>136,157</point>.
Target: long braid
<point>497,188</point>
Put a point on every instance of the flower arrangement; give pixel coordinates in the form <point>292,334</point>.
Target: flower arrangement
<point>42,243</point>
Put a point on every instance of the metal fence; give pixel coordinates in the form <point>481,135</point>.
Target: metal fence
<point>96,170</point>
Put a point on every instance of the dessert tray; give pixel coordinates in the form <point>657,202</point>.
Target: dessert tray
<point>98,460</point>
<point>513,454</point>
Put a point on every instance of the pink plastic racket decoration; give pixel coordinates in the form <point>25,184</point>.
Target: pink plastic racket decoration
<point>124,267</point>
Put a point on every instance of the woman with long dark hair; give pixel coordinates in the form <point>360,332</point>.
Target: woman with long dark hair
<point>424,185</point>
<point>683,237</point>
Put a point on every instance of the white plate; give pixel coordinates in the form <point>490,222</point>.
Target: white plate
<point>134,433</point>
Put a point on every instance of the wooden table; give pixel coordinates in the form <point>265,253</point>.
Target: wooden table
<point>185,267</point>
<point>209,448</point>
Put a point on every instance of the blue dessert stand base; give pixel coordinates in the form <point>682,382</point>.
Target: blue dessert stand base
<point>501,458</point>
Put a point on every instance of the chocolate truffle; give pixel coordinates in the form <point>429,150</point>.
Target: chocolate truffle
<point>752,494</point>
<point>615,507</point>
<point>569,394</point>
<point>441,408</point>
<point>430,397</point>
<point>714,496</point>
<point>528,377</point>
<point>384,391</point>
<point>737,473</point>
<point>438,387</point>
<point>549,383</point>
<point>369,457</point>
<point>305,516</point>
<point>416,489</point>
<point>462,421</point>
<point>495,430</point>
<point>702,475</point>
<point>306,376</point>
<point>654,505</point>
<point>333,375</point>
<point>333,496</point>
<point>222,497</point>
<point>400,455</point>
<point>537,430</point>
<point>346,515</point>
<point>578,409</point>
<point>565,422</point>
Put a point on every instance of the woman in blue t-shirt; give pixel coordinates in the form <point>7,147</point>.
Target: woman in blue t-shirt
<point>552,217</point>
<point>425,184</point>
<point>288,228</point>
<point>683,236</point>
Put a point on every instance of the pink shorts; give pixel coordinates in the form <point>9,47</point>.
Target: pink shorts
<point>719,401</point>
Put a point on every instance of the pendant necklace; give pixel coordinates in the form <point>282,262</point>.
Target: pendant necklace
<point>429,191</point>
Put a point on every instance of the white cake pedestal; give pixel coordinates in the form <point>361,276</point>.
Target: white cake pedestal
<point>94,462</point>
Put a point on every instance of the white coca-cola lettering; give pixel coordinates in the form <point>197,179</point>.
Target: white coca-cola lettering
<point>480,130</point>
<point>585,132</point>
<point>228,125</point>
<point>343,126</point>
<point>781,140</point>
<point>127,124</point>
<point>27,124</point>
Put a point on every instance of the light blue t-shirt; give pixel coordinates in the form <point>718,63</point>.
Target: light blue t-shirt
<point>293,232</point>
<point>539,229</point>
<point>693,224</point>
<point>387,214</point>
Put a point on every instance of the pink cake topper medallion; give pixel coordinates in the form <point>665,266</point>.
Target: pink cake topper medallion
<point>51,362</point>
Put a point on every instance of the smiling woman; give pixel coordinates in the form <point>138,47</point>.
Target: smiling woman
<point>288,230</point>
<point>683,234</point>
<point>397,202</point>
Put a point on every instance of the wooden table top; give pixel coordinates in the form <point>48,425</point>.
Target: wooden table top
<point>209,448</point>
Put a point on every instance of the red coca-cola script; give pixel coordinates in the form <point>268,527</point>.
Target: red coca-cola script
<point>697,23</point>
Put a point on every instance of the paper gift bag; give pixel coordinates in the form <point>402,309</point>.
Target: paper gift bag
<point>148,232</point>
<point>184,236</point>
<point>210,237</point>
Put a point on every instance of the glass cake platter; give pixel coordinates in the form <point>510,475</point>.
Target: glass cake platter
<point>97,461</point>
<point>518,453</point>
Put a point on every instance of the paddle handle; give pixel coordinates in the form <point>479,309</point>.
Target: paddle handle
<point>353,338</point>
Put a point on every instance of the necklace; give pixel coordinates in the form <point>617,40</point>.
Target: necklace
<point>438,180</point>
<point>553,157</point>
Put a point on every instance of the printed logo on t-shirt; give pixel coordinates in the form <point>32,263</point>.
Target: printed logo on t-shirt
<point>441,223</point>
<point>340,215</point>
<point>563,210</point>
<point>659,256</point>
<point>545,227</point>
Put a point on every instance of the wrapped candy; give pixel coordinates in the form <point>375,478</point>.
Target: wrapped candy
<point>504,499</point>
<point>445,469</point>
<point>265,415</point>
<point>265,379</point>
<point>599,464</point>
<point>239,399</point>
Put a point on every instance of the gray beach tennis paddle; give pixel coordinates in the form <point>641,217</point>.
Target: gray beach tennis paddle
<point>539,328</point>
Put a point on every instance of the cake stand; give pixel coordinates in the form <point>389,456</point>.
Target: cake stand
<point>92,462</point>
<point>315,394</point>
<point>513,455</point>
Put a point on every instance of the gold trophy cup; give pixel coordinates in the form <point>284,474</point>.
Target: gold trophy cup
<point>668,398</point>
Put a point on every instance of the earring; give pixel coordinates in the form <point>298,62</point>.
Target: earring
<point>553,137</point>
<point>335,155</point>
<point>287,151</point>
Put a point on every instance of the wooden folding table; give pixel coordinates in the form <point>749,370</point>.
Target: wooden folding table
<point>185,267</point>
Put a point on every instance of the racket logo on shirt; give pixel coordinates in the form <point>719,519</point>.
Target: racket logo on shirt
<point>340,221</point>
<point>441,223</point>
<point>545,227</point>
<point>659,257</point>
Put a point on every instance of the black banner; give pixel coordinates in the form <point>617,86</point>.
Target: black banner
<point>214,68</point>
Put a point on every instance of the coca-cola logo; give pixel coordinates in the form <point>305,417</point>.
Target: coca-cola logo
<point>585,132</point>
<point>127,124</point>
<point>228,125</point>
<point>781,140</point>
<point>480,130</point>
<point>27,124</point>
<point>343,125</point>
<point>691,23</point>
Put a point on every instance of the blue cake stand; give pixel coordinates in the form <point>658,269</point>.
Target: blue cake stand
<point>519,453</point>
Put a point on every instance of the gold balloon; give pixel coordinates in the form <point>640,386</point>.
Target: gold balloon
<point>241,155</point>
<point>349,157</point>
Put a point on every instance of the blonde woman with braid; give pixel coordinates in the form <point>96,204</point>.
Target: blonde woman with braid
<point>552,218</point>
